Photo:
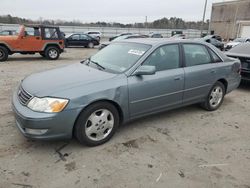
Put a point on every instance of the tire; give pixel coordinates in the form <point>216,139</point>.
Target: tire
<point>52,53</point>
<point>3,54</point>
<point>215,97</point>
<point>91,45</point>
<point>42,54</point>
<point>91,129</point>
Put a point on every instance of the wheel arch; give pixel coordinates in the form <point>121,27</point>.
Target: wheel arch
<point>4,45</point>
<point>115,104</point>
<point>52,45</point>
<point>224,82</point>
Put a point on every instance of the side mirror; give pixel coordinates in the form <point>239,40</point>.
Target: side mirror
<point>145,70</point>
<point>208,40</point>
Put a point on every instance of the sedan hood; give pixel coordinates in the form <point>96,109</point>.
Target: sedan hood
<point>50,82</point>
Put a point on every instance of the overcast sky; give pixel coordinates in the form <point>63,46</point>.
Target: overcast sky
<point>124,11</point>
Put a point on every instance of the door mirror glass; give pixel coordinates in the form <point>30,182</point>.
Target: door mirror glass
<point>145,70</point>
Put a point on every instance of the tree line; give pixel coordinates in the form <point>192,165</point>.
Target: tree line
<point>164,23</point>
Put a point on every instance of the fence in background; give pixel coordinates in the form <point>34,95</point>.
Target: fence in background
<point>111,31</point>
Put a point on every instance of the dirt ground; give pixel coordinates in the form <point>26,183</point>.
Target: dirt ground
<point>188,147</point>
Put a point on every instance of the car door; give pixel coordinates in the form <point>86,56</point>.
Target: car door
<point>31,41</point>
<point>73,40</point>
<point>200,72</point>
<point>162,90</point>
<point>84,40</point>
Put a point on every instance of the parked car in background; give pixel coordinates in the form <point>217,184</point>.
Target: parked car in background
<point>218,44</point>
<point>80,39</point>
<point>45,40</point>
<point>95,34</point>
<point>8,32</point>
<point>178,36</point>
<point>124,81</point>
<point>235,42</point>
<point>122,34</point>
<point>242,52</point>
<point>217,37</point>
<point>104,44</point>
<point>155,35</point>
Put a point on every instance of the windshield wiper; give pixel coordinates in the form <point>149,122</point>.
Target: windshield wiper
<point>87,61</point>
<point>97,64</point>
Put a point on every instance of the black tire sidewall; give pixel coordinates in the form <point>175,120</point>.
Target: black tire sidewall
<point>207,103</point>
<point>48,50</point>
<point>79,129</point>
<point>5,54</point>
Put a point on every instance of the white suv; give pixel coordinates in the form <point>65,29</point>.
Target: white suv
<point>95,34</point>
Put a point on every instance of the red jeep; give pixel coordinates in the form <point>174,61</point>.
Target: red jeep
<point>45,40</point>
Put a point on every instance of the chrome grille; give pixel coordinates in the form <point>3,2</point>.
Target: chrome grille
<point>23,96</point>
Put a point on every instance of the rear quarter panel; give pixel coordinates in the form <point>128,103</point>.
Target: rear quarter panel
<point>229,70</point>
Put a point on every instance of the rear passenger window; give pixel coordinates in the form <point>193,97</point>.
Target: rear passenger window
<point>196,54</point>
<point>216,58</point>
<point>51,33</point>
<point>164,58</point>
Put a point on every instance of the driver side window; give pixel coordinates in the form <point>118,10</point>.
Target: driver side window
<point>75,37</point>
<point>164,58</point>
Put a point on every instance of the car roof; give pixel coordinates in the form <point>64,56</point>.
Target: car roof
<point>160,41</point>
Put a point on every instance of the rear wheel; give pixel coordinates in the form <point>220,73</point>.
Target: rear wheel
<point>91,45</point>
<point>215,97</point>
<point>3,53</point>
<point>52,53</point>
<point>96,124</point>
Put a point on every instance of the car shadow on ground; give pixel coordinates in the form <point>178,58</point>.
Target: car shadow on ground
<point>244,85</point>
<point>33,59</point>
<point>82,47</point>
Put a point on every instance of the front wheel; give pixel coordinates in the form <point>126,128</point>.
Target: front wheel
<point>3,54</point>
<point>52,53</point>
<point>215,97</point>
<point>96,124</point>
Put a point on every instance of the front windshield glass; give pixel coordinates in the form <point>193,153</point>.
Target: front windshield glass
<point>119,57</point>
<point>239,40</point>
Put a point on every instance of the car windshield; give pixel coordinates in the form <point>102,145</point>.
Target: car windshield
<point>119,57</point>
<point>239,40</point>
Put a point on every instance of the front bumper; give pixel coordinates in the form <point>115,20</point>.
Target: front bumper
<point>57,125</point>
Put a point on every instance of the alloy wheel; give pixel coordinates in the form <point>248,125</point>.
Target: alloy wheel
<point>99,125</point>
<point>216,96</point>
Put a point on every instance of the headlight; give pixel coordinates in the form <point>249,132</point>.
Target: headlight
<point>47,104</point>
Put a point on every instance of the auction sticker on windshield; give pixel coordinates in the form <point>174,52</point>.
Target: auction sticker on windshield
<point>136,52</point>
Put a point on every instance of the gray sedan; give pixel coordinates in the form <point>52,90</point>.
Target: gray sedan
<point>124,81</point>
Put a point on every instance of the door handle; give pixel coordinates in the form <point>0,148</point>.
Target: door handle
<point>177,78</point>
